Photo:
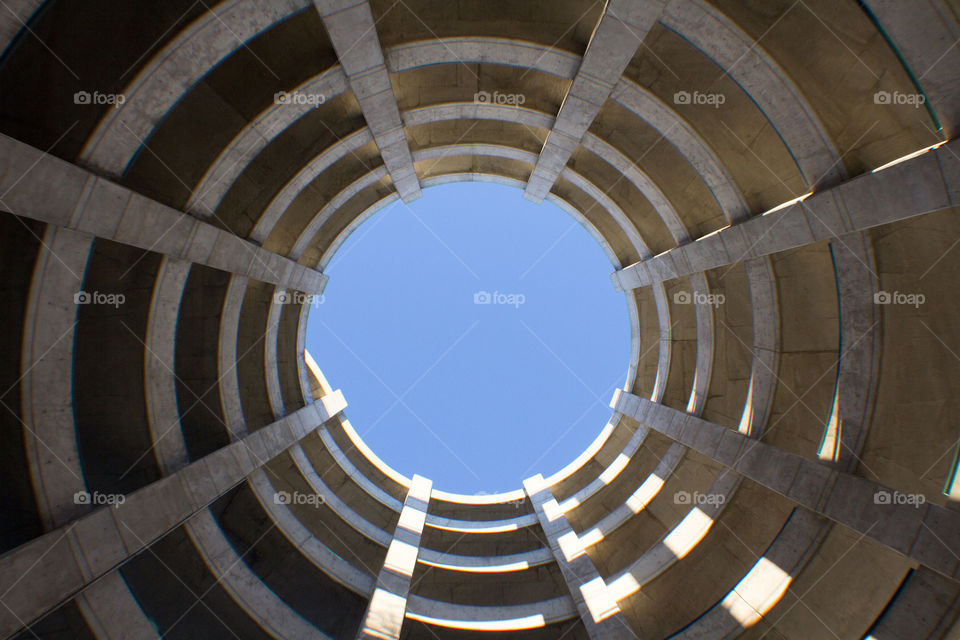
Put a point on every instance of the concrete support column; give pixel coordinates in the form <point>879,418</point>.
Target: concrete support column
<point>388,605</point>
<point>621,30</point>
<point>598,609</point>
<point>923,184</point>
<point>354,35</point>
<point>42,574</point>
<point>928,534</point>
<point>96,207</point>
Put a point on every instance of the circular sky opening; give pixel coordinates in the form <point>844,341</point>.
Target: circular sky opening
<point>476,336</point>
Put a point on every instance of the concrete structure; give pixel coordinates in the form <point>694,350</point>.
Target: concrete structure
<point>776,188</point>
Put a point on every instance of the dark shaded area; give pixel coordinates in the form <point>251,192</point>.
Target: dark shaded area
<point>196,361</point>
<point>113,432</point>
<point>284,569</point>
<point>177,591</point>
<point>18,251</point>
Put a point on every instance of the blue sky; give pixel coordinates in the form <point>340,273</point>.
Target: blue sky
<point>475,391</point>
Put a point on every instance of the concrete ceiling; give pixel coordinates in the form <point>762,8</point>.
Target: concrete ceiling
<point>175,177</point>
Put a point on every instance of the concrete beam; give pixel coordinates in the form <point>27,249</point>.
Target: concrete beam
<point>354,35</point>
<point>230,570</point>
<point>859,365</point>
<point>683,137</point>
<point>599,612</point>
<point>677,543</point>
<point>40,575</point>
<point>621,30</point>
<point>386,610</point>
<point>516,616</point>
<point>747,63</point>
<point>163,412</point>
<point>112,613</point>
<point>750,599</point>
<point>644,494</point>
<point>929,182</point>
<point>928,533</point>
<point>766,346</point>
<point>89,204</point>
<point>255,137</point>
<point>925,606</point>
<point>703,370</point>
<point>46,394</point>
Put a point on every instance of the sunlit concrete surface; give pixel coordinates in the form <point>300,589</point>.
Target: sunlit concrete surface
<point>776,186</point>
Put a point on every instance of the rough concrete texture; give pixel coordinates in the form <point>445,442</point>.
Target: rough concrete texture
<point>780,461</point>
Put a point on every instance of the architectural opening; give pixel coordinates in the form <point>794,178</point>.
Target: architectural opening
<point>476,336</point>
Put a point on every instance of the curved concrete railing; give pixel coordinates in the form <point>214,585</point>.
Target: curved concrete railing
<point>508,618</point>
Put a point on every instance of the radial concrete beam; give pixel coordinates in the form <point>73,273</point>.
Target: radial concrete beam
<point>621,30</point>
<point>89,204</point>
<point>929,182</point>
<point>599,612</point>
<point>354,35</point>
<point>387,607</point>
<point>40,575</point>
<point>928,533</point>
